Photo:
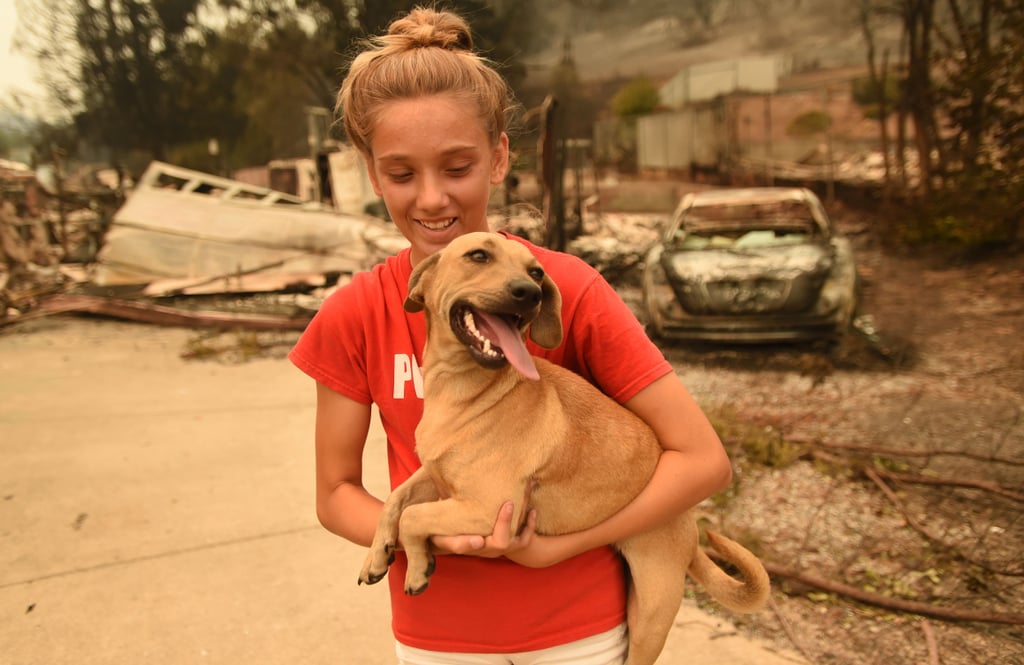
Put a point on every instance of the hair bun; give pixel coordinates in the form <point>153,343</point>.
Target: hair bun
<point>424,27</point>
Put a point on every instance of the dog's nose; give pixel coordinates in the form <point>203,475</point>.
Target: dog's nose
<point>524,291</point>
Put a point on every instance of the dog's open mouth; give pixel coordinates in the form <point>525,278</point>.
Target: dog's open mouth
<point>493,339</point>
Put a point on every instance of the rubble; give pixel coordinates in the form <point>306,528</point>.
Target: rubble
<point>145,311</point>
<point>179,233</point>
<point>861,169</point>
<point>182,239</point>
<point>615,243</point>
<point>48,229</point>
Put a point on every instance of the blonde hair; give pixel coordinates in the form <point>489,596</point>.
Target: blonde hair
<point>425,52</point>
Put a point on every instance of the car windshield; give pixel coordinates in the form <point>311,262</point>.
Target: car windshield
<point>744,226</point>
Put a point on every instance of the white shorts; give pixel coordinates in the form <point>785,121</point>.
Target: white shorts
<point>608,648</point>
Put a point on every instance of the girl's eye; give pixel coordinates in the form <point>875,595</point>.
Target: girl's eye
<point>400,177</point>
<point>459,170</point>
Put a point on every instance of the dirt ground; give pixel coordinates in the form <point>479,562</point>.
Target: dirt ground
<point>834,447</point>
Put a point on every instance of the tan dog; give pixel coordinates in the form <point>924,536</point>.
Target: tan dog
<point>489,434</point>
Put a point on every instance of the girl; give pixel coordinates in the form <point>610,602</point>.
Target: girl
<point>429,117</point>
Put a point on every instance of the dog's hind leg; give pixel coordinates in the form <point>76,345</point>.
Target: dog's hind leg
<point>657,565</point>
<point>418,488</point>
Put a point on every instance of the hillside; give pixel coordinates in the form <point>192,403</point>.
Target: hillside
<point>631,41</point>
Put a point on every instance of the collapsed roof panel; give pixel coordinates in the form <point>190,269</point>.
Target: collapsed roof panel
<point>187,224</point>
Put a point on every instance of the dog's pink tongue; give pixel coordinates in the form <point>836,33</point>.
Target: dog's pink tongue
<point>511,343</point>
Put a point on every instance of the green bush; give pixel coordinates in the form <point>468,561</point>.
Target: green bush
<point>638,97</point>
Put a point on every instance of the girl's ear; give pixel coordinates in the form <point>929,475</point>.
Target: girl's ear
<point>499,160</point>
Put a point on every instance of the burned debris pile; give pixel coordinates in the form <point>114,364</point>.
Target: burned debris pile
<point>49,228</point>
<point>187,248</point>
<point>181,248</point>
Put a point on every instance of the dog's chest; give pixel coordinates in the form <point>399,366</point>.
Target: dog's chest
<point>462,456</point>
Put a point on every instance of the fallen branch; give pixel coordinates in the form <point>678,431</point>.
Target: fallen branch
<point>948,482</point>
<point>895,604</point>
<point>899,452</point>
<point>914,524</point>
<point>1010,493</point>
<point>930,642</point>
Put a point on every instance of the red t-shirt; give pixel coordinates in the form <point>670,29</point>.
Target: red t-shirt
<point>364,345</point>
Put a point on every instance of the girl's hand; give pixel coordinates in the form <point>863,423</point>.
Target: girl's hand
<point>544,551</point>
<point>503,541</point>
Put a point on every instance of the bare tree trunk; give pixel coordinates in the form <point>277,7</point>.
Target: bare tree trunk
<point>917,23</point>
<point>883,112</point>
<point>976,48</point>
<point>551,165</point>
<point>878,87</point>
<point>901,119</point>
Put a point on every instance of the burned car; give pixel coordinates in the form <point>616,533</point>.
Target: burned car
<point>750,265</point>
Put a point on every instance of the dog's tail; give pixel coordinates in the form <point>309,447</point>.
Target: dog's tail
<point>751,594</point>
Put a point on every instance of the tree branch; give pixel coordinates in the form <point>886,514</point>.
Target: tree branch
<point>896,604</point>
<point>947,482</point>
<point>914,524</point>
<point>898,452</point>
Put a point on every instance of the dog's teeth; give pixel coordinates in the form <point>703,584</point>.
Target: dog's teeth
<point>470,323</point>
<point>471,326</point>
<point>487,348</point>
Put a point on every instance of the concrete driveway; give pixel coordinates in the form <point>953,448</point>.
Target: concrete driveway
<point>159,510</point>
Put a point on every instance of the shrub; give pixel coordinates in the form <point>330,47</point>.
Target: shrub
<point>638,97</point>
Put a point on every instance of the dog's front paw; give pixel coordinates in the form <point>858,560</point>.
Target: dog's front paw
<point>417,578</point>
<point>378,559</point>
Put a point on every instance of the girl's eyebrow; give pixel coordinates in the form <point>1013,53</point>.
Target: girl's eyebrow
<point>447,152</point>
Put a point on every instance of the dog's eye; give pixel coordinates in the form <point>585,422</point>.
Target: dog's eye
<point>536,273</point>
<point>478,256</point>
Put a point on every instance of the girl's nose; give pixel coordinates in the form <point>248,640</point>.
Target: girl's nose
<point>431,194</point>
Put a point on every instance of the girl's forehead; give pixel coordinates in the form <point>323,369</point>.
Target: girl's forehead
<point>439,123</point>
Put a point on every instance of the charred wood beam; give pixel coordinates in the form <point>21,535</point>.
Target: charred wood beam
<point>147,312</point>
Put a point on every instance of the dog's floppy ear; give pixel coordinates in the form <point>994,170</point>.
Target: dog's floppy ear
<point>416,301</point>
<point>546,329</point>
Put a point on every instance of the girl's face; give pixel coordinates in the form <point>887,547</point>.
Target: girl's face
<point>433,164</point>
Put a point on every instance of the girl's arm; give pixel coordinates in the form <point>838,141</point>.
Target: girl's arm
<point>343,505</point>
<point>693,466</point>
